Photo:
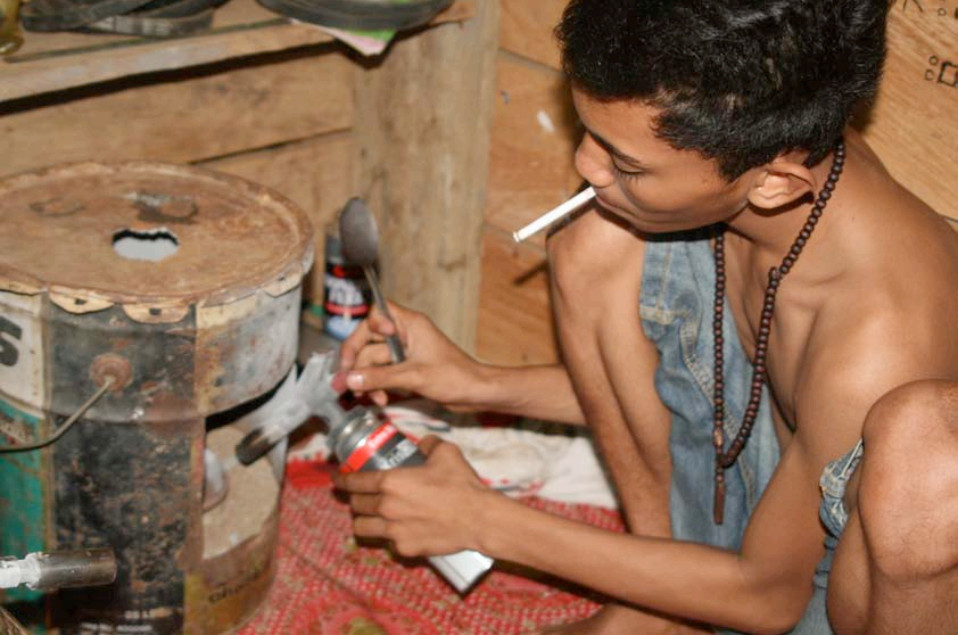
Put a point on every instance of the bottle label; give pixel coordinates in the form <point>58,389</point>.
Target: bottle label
<point>385,448</point>
<point>346,302</point>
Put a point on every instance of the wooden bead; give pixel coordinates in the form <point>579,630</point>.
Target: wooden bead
<point>723,459</point>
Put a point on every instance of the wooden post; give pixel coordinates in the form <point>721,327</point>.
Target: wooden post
<point>423,124</point>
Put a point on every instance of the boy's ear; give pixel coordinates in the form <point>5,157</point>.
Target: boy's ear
<point>781,182</point>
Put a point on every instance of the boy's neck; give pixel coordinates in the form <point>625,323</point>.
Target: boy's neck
<point>769,235</point>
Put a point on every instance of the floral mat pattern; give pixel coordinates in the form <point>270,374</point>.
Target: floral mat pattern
<point>327,584</point>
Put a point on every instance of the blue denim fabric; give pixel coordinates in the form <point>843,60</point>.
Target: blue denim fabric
<point>833,482</point>
<point>678,287</point>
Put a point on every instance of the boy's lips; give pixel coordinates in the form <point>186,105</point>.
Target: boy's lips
<point>611,207</point>
<point>604,203</point>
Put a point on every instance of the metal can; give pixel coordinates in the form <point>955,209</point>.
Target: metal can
<point>364,443</point>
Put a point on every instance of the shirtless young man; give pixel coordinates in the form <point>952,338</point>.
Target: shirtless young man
<point>708,118</point>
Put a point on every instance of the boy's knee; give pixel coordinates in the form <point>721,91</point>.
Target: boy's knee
<point>902,420</point>
<point>909,482</point>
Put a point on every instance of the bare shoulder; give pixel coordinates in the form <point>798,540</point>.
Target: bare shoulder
<point>901,262</point>
<point>853,361</point>
<point>886,318</point>
<point>594,251</point>
<point>887,327</point>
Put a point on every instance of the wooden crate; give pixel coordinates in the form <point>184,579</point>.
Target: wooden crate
<point>913,125</point>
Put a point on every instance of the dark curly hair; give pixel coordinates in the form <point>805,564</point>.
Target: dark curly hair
<point>738,80</point>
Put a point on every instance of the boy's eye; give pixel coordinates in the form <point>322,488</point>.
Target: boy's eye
<point>628,173</point>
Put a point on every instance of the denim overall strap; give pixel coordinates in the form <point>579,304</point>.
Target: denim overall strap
<point>676,307</point>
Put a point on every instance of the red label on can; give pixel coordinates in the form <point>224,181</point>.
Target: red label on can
<point>374,442</point>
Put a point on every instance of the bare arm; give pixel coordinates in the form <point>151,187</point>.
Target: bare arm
<point>437,369</point>
<point>766,586</point>
<point>763,588</point>
<point>596,274</point>
<point>537,392</point>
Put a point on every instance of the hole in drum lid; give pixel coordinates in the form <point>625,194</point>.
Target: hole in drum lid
<point>152,244</point>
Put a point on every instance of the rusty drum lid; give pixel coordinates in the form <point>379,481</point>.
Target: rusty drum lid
<point>93,235</point>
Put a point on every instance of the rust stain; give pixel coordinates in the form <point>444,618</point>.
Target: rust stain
<point>163,208</point>
<point>207,329</point>
<point>110,366</point>
<point>227,589</point>
<point>235,237</point>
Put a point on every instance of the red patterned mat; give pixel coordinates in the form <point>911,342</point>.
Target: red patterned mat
<point>326,583</point>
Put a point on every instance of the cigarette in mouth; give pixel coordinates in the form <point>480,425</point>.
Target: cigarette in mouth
<point>553,215</point>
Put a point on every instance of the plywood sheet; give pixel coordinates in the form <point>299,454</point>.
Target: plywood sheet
<point>914,123</point>
<point>515,319</point>
<point>526,29</point>
<point>195,118</point>
<point>317,174</point>
<point>534,136</point>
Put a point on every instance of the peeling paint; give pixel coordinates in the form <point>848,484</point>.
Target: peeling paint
<point>206,329</point>
<point>545,122</point>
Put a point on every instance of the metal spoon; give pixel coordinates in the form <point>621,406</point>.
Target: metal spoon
<point>360,238</point>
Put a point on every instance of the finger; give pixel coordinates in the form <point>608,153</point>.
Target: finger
<point>370,526</point>
<point>352,345</point>
<point>373,355</point>
<point>392,377</point>
<point>380,323</point>
<point>429,443</point>
<point>396,320</point>
<point>380,398</point>
<point>359,482</point>
<point>398,311</point>
<point>366,504</point>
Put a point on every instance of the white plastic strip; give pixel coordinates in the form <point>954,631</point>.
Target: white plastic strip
<point>553,215</point>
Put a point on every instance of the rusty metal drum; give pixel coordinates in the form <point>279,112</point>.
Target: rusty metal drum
<point>173,294</point>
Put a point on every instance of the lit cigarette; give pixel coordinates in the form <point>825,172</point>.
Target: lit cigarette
<point>553,215</point>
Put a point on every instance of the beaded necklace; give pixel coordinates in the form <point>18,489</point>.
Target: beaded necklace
<point>723,459</point>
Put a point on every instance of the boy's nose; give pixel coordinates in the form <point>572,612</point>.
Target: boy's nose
<point>592,162</point>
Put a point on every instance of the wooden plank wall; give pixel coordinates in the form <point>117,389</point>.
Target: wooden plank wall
<point>284,120</point>
<point>913,126</point>
<point>288,120</point>
<point>533,139</point>
<point>424,114</point>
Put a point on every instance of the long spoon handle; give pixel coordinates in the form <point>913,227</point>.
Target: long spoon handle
<point>392,341</point>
